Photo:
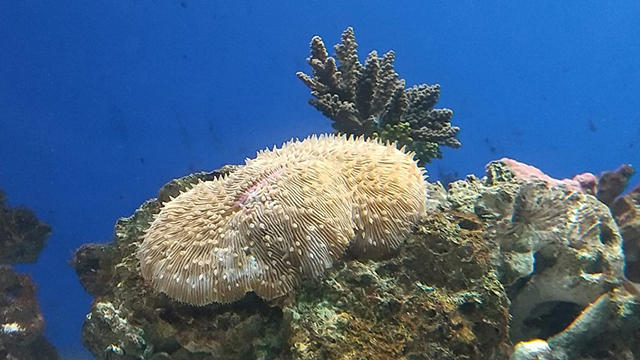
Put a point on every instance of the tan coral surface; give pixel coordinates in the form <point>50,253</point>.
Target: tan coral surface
<point>288,214</point>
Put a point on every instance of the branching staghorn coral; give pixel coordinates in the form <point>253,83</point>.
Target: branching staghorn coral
<point>371,99</point>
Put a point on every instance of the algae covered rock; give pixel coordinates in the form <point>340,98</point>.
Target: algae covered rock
<point>438,296</point>
<point>129,321</point>
<point>559,251</point>
<point>496,261</point>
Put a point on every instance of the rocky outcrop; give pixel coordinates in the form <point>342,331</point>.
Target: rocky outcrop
<point>497,261</point>
<point>439,294</point>
<point>22,236</point>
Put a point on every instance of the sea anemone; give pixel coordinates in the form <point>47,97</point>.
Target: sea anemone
<point>286,215</point>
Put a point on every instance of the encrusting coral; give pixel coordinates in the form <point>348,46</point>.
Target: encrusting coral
<point>288,214</point>
<point>371,99</point>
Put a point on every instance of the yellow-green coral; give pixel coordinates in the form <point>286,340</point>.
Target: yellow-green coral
<point>401,133</point>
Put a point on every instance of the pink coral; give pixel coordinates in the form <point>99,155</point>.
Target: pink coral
<point>585,182</point>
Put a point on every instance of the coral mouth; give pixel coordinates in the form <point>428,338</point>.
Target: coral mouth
<point>254,188</point>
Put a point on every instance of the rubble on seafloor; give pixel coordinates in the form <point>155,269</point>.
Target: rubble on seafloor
<point>497,262</point>
<point>22,236</point>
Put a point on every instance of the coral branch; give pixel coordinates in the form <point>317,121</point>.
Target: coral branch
<point>371,99</point>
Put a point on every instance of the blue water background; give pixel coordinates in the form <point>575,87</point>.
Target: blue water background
<point>102,102</point>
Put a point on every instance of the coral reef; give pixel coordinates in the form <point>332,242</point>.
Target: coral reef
<point>565,250</point>
<point>22,236</point>
<point>559,252</point>
<point>438,295</point>
<point>497,261</point>
<point>371,99</point>
<point>286,215</point>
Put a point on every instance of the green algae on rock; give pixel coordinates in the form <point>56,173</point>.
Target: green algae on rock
<point>439,297</point>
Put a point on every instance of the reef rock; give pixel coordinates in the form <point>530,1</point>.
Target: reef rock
<point>21,323</point>
<point>498,260</point>
<point>626,210</point>
<point>609,328</point>
<point>559,248</point>
<point>437,296</point>
<point>22,235</point>
<point>612,183</point>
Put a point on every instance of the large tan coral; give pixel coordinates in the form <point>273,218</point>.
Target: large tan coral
<point>286,215</point>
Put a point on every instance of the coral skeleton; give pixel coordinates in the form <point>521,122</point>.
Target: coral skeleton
<point>371,99</point>
<point>288,214</point>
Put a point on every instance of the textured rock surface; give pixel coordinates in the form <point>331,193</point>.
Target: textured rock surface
<point>626,210</point>
<point>439,295</point>
<point>612,183</point>
<point>490,250</point>
<point>522,172</point>
<point>439,298</point>
<point>22,235</point>
<point>532,350</point>
<point>609,328</point>
<point>21,323</point>
<point>559,249</point>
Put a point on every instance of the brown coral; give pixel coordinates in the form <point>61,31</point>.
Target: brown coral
<point>288,214</point>
<point>371,99</point>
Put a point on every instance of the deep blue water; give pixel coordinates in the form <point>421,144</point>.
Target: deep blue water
<point>102,102</point>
